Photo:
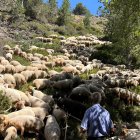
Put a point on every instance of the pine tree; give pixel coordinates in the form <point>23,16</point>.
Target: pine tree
<point>52,11</point>
<point>80,9</point>
<point>64,13</point>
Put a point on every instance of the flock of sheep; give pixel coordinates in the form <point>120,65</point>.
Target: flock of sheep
<point>39,112</point>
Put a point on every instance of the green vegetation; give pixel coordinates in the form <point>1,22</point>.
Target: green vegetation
<point>25,86</point>
<point>136,89</point>
<point>21,60</point>
<point>80,9</point>
<point>123,29</point>
<point>4,103</point>
<point>43,52</point>
<point>64,13</point>
<point>85,75</point>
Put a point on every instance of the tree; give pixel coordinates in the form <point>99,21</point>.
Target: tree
<point>52,11</point>
<point>123,27</point>
<point>86,20</point>
<point>80,9</point>
<point>64,13</point>
<point>31,9</point>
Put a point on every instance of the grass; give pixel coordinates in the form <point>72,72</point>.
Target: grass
<point>85,76</point>
<point>136,89</point>
<point>5,103</point>
<point>43,52</point>
<point>24,87</point>
<point>58,69</point>
<point>21,60</point>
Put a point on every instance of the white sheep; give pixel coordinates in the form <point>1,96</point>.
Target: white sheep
<point>20,79</point>
<point>8,56</point>
<point>2,69</point>
<point>24,123</point>
<point>15,63</point>
<point>20,68</point>
<point>52,129</point>
<point>42,83</point>
<point>10,69</point>
<point>10,80</point>
<point>9,133</point>
<point>5,62</point>
<point>36,102</point>
<point>28,74</point>
<point>40,74</point>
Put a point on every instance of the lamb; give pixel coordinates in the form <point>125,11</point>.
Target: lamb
<point>42,83</point>
<point>10,80</point>
<point>9,133</point>
<point>52,129</point>
<point>20,79</point>
<point>24,123</point>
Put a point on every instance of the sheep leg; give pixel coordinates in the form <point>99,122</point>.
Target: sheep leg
<point>22,132</point>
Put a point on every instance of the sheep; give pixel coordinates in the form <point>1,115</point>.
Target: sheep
<point>5,62</point>
<point>71,69</point>
<point>9,133</point>
<point>12,94</point>
<point>39,112</point>
<point>81,94</point>
<point>74,108</point>
<point>8,56</point>
<point>10,80</point>
<point>20,79</point>
<point>36,102</point>
<point>6,47</point>
<point>10,69</point>
<point>23,54</point>
<point>40,74</point>
<point>42,83</point>
<point>40,66</point>
<point>24,123</point>
<point>44,97</point>
<point>14,63</point>
<point>24,111</point>
<point>17,50</point>
<point>28,74</point>
<point>20,68</point>
<point>52,73</point>
<point>2,69</point>
<point>58,113</point>
<point>66,84</point>
<point>52,129</point>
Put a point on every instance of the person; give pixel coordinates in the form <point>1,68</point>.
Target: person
<point>96,120</point>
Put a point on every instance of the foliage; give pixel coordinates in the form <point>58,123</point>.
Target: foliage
<point>64,13</point>
<point>87,20</point>
<point>123,27</point>
<point>80,9</point>
<point>5,103</point>
<point>21,60</point>
<point>52,11</point>
<point>25,87</point>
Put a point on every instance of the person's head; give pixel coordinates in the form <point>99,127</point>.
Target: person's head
<point>96,97</point>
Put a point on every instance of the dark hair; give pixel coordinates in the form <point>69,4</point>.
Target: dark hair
<point>96,97</point>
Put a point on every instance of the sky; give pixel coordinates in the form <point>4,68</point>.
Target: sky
<point>91,5</point>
